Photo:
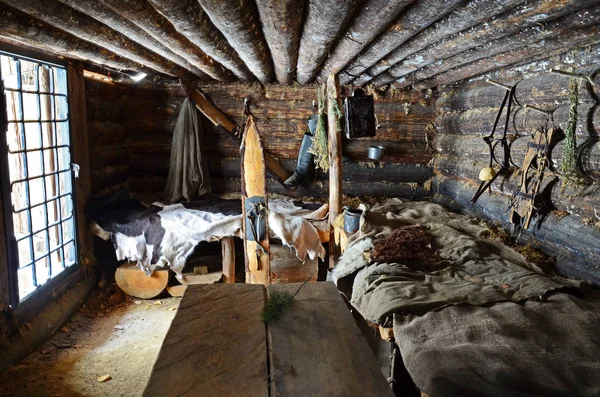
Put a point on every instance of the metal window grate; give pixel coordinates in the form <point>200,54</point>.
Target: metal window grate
<point>37,182</point>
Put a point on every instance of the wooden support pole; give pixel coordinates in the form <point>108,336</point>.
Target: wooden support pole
<point>371,21</point>
<point>420,15</point>
<point>471,14</point>
<point>81,154</point>
<point>228,254</point>
<point>240,24</point>
<point>146,17</point>
<point>325,21</point>
<point>282,28</point>
<point>17,27</point>
<point>515,20</point>
<point>191,21</point>
<point>334,128</point>
<point>82,26</point>
<point>220,119</point>
<point>107,16</point>
<point>572,31</point>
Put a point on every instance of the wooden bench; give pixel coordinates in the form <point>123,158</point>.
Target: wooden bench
<point>218,346</point>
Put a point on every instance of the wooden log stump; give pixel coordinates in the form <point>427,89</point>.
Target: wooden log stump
<point>134,281</point>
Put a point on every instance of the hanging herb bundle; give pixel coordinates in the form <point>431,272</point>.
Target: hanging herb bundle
<point>569,168</point>
<point>319,146</point>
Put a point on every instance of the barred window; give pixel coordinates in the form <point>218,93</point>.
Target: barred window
<point>37,182</point>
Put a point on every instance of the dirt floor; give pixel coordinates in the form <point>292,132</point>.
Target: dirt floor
<point>111,335</point>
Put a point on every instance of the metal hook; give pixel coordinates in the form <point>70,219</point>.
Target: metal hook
<point>492,82</point>
<point>574,75</point>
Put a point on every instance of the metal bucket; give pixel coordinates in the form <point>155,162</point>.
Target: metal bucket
<point>376,152</point>
<point>352,220</point>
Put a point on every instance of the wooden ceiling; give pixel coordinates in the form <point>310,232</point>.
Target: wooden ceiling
<point>419,43</point>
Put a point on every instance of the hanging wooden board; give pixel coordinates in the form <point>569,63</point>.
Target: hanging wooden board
<point>254,195</point>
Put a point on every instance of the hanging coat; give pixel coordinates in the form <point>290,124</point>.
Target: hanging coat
<point>188,172</point>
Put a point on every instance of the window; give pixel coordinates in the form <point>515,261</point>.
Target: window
<point>37,182</point>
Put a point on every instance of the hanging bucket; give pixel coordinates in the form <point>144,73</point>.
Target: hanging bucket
<point>352,220</point>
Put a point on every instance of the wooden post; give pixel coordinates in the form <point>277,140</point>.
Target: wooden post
<point>334,128</point>
<point>80,154</point>
<point>220,119</point>
<point>228,254</point>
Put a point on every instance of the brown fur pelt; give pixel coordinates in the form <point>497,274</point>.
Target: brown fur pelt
<point>411,246</point>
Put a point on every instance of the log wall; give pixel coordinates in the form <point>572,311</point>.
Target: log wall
<point>107,130</point>
<point>281,113</point>
<point>465,113</point>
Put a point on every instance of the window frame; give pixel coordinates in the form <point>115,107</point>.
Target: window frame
<point>55,285</point>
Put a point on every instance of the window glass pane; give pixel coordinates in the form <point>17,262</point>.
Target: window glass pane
<point>16,161</point>
<point>60,109</point>
<point>13,106</point>
<point>65,207</point>
<point>51,187</point>
<point>48,135</point>
<point>34,164</point>
<point>26,285</point>
<point>19,196</point>
<point>42,270</point>
<point>39,244</point>
<point>21,224</point>
<point>8,65</point>
<point>14,137</point>
<point>31,110</point>
<point>24,252</point>
<point>38,218</point>
<point>64,180</point>
<point>46,106</point>
<point>36,191</point>
<point>33,136</point>
<point>60,81</point>
<point>62,133</point>
<point>70,257</point>
<point>63,159</point>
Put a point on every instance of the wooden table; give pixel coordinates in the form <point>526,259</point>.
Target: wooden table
<point>217,346</point>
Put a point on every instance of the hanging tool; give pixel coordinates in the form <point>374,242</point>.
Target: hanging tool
<point>488,175</point>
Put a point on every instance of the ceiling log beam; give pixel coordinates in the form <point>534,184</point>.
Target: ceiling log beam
<point>471,14</point>
<point>141,13</point>
<point>325,21</point>
<point>533,38</point>
<point>373,18</point>
<point>414,19</point>
<point>108,17</point>
<point>86,28</point>
<point>527,54</point>
<point>511,22</point>
<point>191,21</point>
<point>22,28</point>
<point>282,26</point>
<point>239,22</point>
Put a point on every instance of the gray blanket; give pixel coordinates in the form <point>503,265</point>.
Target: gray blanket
<point>548,348</point>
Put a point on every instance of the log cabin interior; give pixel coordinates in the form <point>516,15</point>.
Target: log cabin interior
<point>299,198</point>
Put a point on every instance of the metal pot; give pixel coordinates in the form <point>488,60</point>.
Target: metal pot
<point>376,152</point>
<point>352,220</point>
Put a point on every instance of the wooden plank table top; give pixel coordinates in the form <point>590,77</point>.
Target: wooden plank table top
<point>316,349</point>
<point>218,346</point>
<point>215,346</point>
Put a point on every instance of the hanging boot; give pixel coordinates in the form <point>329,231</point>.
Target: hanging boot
<point>305,162</point>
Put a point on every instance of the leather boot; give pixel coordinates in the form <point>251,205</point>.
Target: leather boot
<point>305,162</point>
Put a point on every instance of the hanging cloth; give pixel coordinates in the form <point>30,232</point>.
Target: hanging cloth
<point>188,172</point>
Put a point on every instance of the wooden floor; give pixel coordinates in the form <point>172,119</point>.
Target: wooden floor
<point>217,346</point>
